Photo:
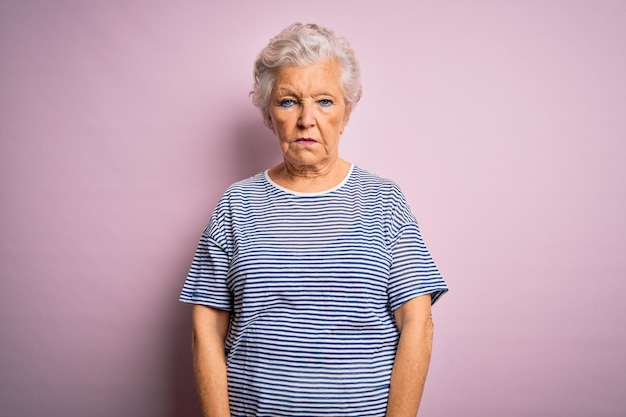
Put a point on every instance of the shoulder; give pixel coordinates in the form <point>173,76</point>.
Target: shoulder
<point>386,195</point>
<point>241,190</point>
<point>250,184</point>
<point>385,187</point>
<point>238,193</point>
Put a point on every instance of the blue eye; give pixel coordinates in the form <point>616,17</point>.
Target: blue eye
<point>325,102</point>
<point>287,102</point>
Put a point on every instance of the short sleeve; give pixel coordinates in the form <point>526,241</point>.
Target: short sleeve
<point>413,271</point>
<point>206,280</point>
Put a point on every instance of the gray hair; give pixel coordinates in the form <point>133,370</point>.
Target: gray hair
<point>301,45</point>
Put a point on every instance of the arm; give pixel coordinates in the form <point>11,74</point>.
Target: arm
<point>408,376</point>
<point>210,327</point>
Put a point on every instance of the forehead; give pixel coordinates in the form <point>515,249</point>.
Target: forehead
<point>322,76</point>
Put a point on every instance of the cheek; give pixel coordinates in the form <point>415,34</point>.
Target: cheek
<point>283,124</point>
<point>338,121</point>
<point>279,129</point>
<point>274,122</point>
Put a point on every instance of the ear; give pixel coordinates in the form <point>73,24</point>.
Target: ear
<point>346,117</point>
<point>269,122</point>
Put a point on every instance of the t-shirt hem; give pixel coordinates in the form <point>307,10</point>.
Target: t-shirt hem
<point>217,306</point>
<point>435,294</point>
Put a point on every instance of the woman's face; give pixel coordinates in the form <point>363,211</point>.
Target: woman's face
<point>308,114</point>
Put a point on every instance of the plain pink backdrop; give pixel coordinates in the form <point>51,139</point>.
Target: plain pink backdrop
<point>122,122</point>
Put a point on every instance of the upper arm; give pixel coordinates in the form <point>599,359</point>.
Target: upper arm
<point>208,321</point>
<point>416,310</point>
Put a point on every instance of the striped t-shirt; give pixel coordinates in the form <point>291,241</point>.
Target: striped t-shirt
<point>311,281</point>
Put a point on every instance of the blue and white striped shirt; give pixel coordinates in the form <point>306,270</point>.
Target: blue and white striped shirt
<point>311,280</point>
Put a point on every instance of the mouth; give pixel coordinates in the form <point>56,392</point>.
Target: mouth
<point>306,141</point>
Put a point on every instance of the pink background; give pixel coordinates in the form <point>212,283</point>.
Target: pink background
<point>122,122</point>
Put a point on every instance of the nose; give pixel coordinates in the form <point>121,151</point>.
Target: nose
<point>306,118</point>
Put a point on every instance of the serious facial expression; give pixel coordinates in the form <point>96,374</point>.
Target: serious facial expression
<point>308,113</point>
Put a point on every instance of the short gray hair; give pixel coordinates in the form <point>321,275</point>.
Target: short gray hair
<point>301,45</point>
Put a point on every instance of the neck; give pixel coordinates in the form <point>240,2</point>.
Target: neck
<point>309,179</point>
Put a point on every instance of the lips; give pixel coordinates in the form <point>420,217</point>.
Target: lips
<point>306,141</point>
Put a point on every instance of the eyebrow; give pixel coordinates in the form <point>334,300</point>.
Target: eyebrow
<point>285,91</point>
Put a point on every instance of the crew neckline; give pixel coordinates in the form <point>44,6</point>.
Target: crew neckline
<point>303,194</point>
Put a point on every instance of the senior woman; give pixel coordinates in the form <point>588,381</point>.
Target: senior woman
<point>311,285</point>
